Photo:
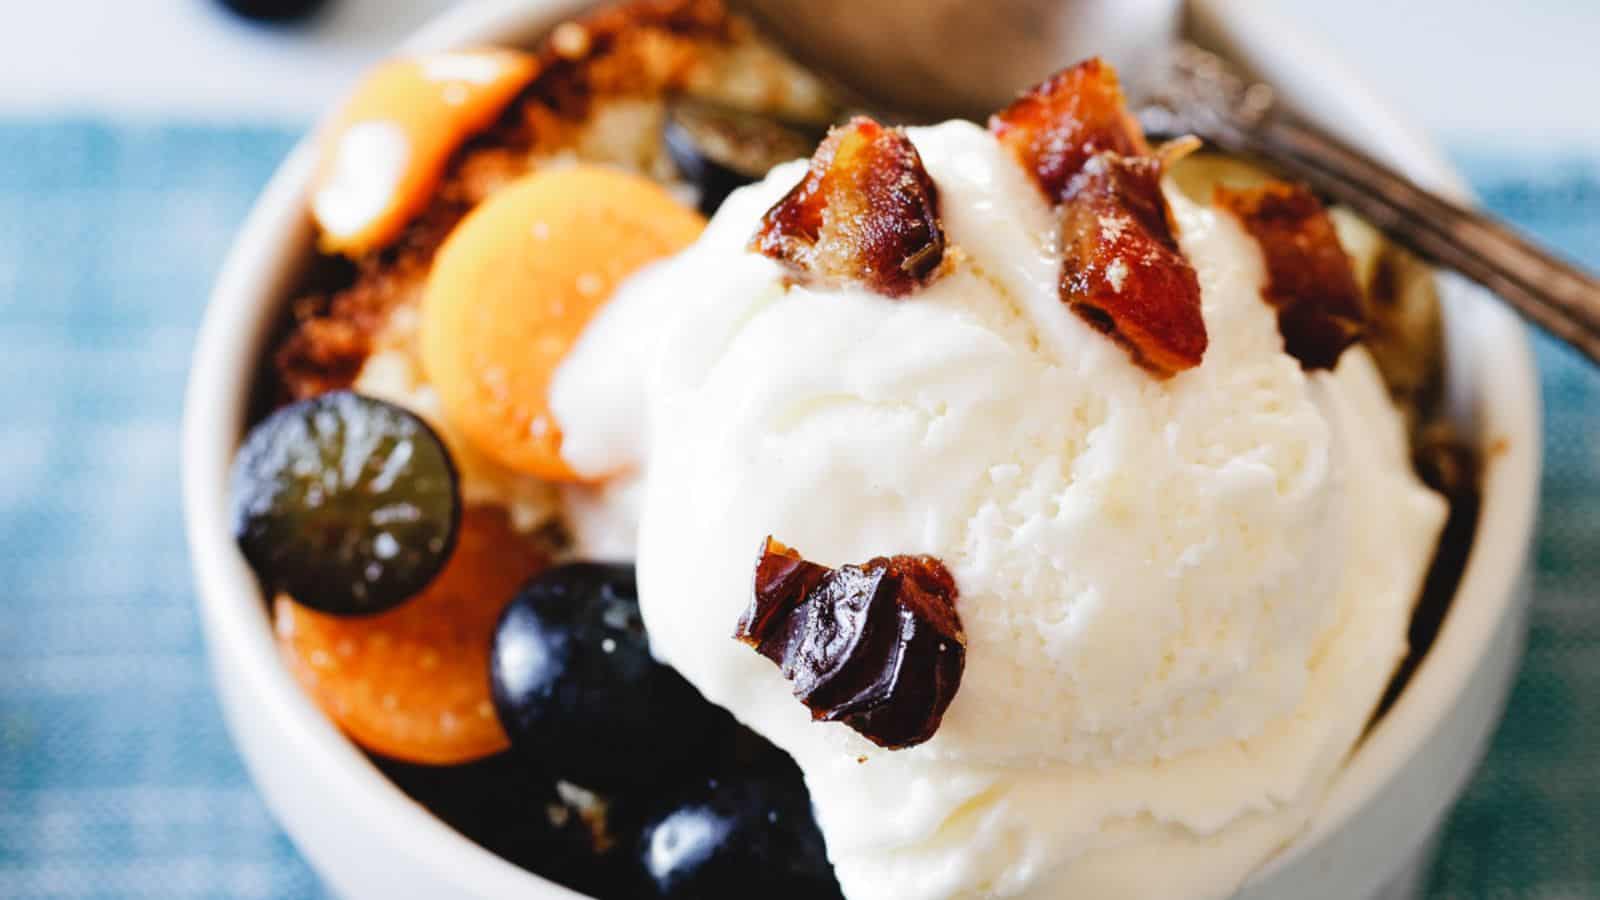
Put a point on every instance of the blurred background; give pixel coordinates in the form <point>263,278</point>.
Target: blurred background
<point>133,137</point>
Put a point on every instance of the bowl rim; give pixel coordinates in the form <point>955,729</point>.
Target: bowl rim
<point>269,251</point>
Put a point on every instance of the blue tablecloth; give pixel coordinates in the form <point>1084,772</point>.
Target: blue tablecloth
<point>117,779</point>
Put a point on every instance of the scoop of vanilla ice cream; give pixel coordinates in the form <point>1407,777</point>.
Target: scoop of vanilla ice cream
<point>1183,598</point>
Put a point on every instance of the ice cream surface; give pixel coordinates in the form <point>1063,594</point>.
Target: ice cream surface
<point>1183,598</point>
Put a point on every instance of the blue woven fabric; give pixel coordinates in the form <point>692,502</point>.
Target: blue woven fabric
<point>116,777</point>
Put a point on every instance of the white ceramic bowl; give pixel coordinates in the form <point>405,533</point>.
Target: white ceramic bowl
<point>369,840</point>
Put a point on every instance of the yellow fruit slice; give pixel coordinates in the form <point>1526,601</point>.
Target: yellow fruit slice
<point>413,683</point>
<point>513,287</point>
<point>383,153</point>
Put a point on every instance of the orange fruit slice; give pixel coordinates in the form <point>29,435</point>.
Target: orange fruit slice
<point>413,683</point>
<point>384,151</point>
<point>513,287</point>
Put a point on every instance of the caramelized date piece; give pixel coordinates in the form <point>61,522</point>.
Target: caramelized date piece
<point>878,646</point>
<point>1309,278</point>
<point>783,580</point>
<point>1057,125</point>
<point>866,211</point>
<point>1121,269</point>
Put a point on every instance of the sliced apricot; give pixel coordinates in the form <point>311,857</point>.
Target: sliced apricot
<point>413,683</point>
<point>385,150</point>
<point>513,287</point>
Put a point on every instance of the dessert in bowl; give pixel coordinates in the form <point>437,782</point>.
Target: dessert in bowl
<point>1106,531</point>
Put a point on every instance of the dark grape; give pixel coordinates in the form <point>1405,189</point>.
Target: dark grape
<point>577,689</point>
<point>738,836</point>
<point>523,815</point>
<point>273,10</point>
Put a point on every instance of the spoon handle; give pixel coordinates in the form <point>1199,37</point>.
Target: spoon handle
<point>1545,289</point>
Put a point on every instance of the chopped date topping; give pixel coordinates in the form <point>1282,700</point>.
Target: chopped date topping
<point>1309,278</point>
<point>866,211</point>
<point>1055,127</point>
<point>878,646</point>
<point>1121,269</point>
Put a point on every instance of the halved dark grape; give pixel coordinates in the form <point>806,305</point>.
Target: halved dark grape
<point>346,503</point>
<point>718,148</point>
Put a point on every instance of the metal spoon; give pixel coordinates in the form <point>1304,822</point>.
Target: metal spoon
<point>901,59</point>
